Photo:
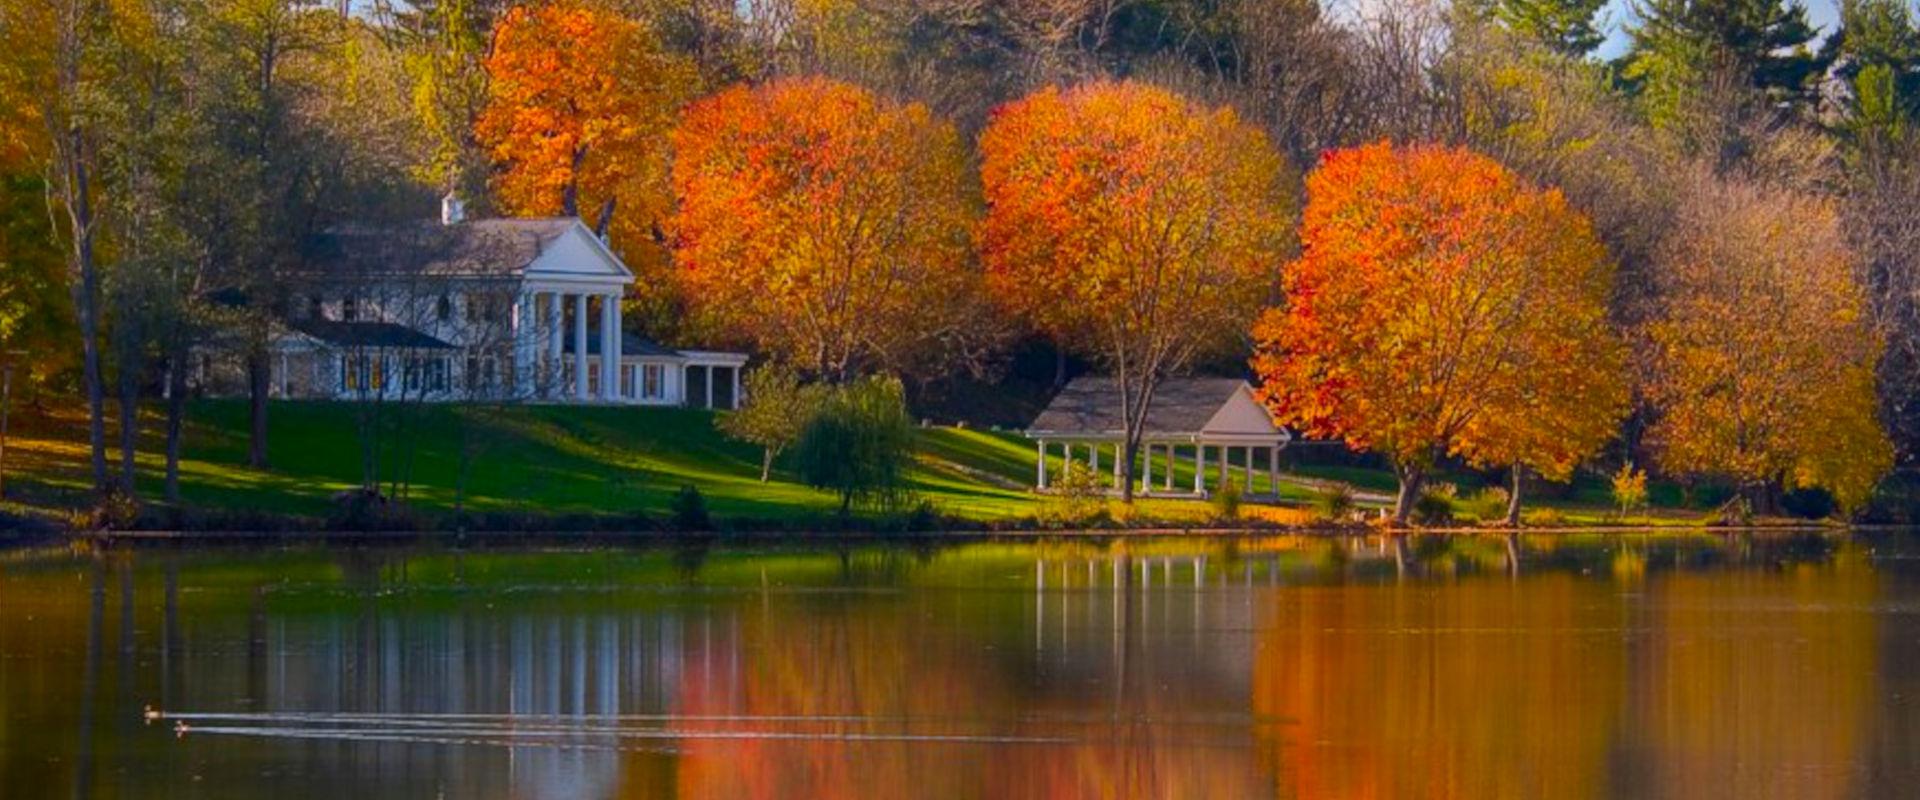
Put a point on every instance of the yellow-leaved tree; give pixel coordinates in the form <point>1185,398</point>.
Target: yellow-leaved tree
<point>1761,356</point>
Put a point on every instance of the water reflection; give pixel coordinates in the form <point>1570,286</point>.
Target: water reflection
<point>1280,667</point>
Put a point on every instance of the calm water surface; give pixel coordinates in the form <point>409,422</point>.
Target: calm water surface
<point>1585,667</point>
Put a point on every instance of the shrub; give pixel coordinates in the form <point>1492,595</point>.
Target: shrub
<point>1629,488</point>
<point>1434,508</point>
<point>1335,502</point>
<point>690,509</point>
<point>1226,502</point>
<point>1079,495</point>
<point>1543,518</point>
<point>1489,504</point>
<point>857,445</point>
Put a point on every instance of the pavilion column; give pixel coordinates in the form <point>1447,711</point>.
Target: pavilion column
<point>709,386</point>
<point>1249,476</point>
<point>1146,468</point>
<point>524,343</point>
<point>556,315</point>
<point>1040,465</point>
<point>1171,461</point>
<point>1093,458</point>
<point>1119,454</point>
<point>609,347</point>
<point>1226,473</point>
<point>1273,470</point>
<point>580,347</point>
<point>1199,468</point>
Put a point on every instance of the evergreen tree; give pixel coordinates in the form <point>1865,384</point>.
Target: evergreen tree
<point>1679,44</point>
<point>1567,27</point>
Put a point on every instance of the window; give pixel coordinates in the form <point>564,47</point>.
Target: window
<point>483,307</point>
<point>349,309</point>
<point>654,386</point>
<point>444,308</point>
<point>480,373</point>
<point>360,372</point>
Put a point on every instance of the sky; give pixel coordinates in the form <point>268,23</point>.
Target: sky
<point>1824,14</point>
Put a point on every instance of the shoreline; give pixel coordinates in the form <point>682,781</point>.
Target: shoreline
<point>138,538</point>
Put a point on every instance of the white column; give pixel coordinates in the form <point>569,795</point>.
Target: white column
<point>1040,464</point>
<point>1093,458</point>
<point>609,347</point>
<point>735,372</point>
<point>1168,480</point>
<point>1119,453</point>
<point>1273,470</point>
<point>556,315</point>
<point>1249,476</point>
<point>523,343</point>
<point>709,386</point>
<point>1146,468</point>
<point>1199,468</point>
<point>579,347</point>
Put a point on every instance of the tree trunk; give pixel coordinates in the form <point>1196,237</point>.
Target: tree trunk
<point>129,419</point>
<point>1412,480</point>
<point>176,416</point>
<point>84,291</point>
<point>258,378</point>
<point>1513,496</point>
<point>766,463</point>
<point>1130,450</point>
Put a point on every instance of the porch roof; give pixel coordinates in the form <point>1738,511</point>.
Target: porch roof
<point>385,335</point>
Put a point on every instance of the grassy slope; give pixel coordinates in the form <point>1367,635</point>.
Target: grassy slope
<point>557,459</point>
<point>534,459</point>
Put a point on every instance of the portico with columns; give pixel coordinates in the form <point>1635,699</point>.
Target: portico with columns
<point>1211,428</point>
<point>524,309</point>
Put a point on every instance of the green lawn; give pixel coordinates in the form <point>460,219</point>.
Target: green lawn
<point>532,459</point>
<point>561,460</point>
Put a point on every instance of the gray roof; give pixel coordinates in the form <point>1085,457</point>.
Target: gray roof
<point>631,344</point>
<point>368,334</point>
<point>1091,406</point>
<point>475,248</point>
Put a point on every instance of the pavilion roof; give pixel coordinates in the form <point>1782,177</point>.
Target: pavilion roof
<point>1089,407</point>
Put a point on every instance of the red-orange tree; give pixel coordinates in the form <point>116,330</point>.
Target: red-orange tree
<point>1443,306</point>
<point>826,224</point>
<point>1133,226</point>
<point>579,100</point>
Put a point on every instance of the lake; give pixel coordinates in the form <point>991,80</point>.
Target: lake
<point>1473,667</point>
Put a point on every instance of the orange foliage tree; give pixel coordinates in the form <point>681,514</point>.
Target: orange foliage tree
<point>579,100</point>
<point>1442,306</point>
<point>1131,225</point>
<point>827,225</point>
<point>1761,357</point>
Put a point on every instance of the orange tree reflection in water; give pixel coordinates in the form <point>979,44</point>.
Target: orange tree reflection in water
<point>1606,667</point>
<point>1483,689</point>
<point>895,667</point>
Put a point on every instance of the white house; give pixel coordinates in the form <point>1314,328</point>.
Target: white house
<point>524,310</point>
